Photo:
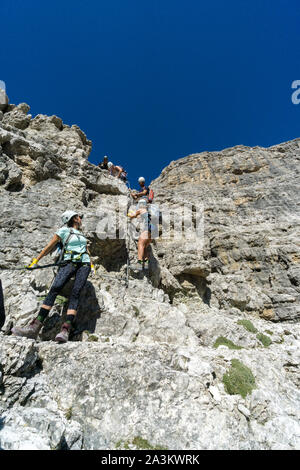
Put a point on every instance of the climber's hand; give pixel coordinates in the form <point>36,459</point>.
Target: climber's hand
<point>93,270</point>
<point>32,264</point>
<point>131,214</point>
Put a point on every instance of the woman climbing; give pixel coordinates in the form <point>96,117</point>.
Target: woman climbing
<point>148,231</point>
<point>76,260</point>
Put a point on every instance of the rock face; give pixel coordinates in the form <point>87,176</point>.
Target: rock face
<point>250,200</point>
<point>202,352</point>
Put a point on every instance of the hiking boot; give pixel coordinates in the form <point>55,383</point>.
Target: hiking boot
<point>31,331</point>
<point>136,266</point>
<point>63,336</point>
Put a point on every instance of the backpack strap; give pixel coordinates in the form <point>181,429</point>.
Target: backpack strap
<point>61,256</point>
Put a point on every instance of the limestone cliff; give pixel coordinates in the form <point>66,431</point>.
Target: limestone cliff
<point>202,353</point>
<point>251,226</point>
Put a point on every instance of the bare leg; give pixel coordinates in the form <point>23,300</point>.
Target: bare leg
<point>142,245</point>
<point>147,250</point>
<point>71,312</point>
<point>46,307</point>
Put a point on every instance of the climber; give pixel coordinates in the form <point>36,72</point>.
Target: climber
<point>76,260</point>
<point>104,164</point>
<point>145,192</point>
<point>148,230</point>
<point>117,171</point>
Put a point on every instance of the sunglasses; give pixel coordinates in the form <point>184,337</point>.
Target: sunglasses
<point>80,215</point>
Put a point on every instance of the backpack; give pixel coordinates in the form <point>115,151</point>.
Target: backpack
<point>150,195</point>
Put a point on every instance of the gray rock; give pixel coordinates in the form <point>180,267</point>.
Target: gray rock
<point>18,117</point>
<point>251,224</point>
<point>148,359</point>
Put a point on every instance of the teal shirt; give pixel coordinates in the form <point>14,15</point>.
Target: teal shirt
<point>77,243</point>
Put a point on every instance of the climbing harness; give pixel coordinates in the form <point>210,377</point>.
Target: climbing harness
<point>74,254</point>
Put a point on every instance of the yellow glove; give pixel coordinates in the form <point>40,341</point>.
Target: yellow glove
<point>93,270</point>
<point>33,263</point>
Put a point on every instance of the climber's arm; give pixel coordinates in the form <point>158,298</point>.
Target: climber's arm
<point>119,169</point>
<point>133,216</point>
<point>45,251</point>
<point>49,247</point>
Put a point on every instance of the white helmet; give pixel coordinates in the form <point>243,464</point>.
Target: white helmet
<point>67,216</point>
<point>110,164</point>
<point>141,179</point>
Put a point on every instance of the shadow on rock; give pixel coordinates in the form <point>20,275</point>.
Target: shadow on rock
<point>2,423</point>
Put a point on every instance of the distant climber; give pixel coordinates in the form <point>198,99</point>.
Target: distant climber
<point>117,171</point>
<point>104,164</point>
<point>148,231</point>
<point>76,261</point>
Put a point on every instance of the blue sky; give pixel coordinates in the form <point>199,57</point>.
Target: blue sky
<point>150,82</point>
